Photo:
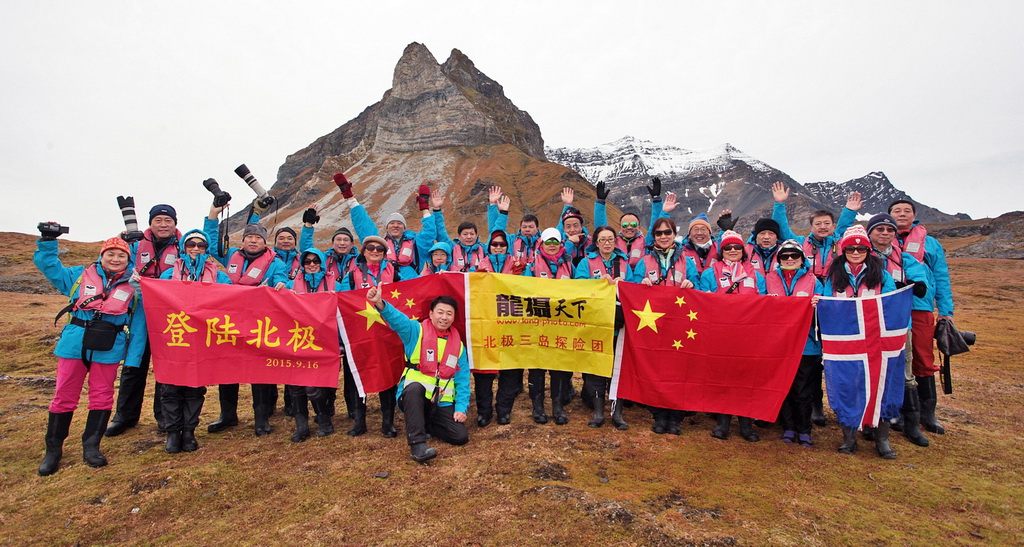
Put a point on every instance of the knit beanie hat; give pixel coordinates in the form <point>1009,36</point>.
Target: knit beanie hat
<point>572,212</point>
<point>285,229</point>
<point>115,243</point>
<point>702,220</point>
<point>881,219</point>
<point>395,217</point>
<point>254,230</point>
<point>342,231</point>
<point>730,237</point>
<point>854,235</point>
<point>767,224</point>
<point>163,209</point>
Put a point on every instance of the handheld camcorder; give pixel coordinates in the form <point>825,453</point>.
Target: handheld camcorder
<point>265,199</point>
<point>131,223</point>
<point>51,229</point>
<point>220,197</point>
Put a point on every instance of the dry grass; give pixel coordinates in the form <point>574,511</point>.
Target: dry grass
<point>531,484</point>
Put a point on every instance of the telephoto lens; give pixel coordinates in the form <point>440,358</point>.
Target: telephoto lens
<point>131,223</point>
<point>220,197</point>
<point>265,198</point>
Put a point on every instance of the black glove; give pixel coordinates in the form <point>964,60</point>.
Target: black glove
<point>920,289</point>
<point>726,222</point>
<point>310,216</point>
<point>602,191</point>
<point>655,187</point>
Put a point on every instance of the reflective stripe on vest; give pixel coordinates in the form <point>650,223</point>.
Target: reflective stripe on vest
<point>117,302</point>
<point>818,266</point>
<point>673,278</point>
<point>709,259</point>
<point>634,249</point>
<point>914,242</point>
<point>445,373</point>
<point>748,285</point>
<point>459,259</point>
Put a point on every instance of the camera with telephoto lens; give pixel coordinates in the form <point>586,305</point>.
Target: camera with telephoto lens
<point>220,197</point>
<point>131,223</point>
<point>51,229</point>
<point>265,199</point>
<point>969,337</point>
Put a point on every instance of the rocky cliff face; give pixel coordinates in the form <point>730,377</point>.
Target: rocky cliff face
<point>878,193</point>
<point>1002,237</point>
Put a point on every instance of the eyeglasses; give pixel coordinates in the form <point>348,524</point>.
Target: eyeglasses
<point>191,244</point>
<point>375,248</point>
<point>884,229</point>
<point>663,232</point>
<point>309,261</point>
<point>790,256</point>
<point>606,240</point>
<point>552,241</point>
<point>499,244</point>
<point>732,247</point>
<point>855,249</point>
<point>630,224</point>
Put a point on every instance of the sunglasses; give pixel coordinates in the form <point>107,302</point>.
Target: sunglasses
<point>309,261</point>
<point>552,242</point>
<point>855,249</point>
<point>732,247</point>
<point>375,248</point>
<point>192,244</point>
<point>663,232</point>
<point>499,244</point>
<point>790,256</point>
<point>630,224</point>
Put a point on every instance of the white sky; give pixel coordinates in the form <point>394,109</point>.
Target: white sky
<point>150,98</point>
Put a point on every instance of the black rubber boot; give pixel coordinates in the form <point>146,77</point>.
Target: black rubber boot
<point>617,420</point>
<point>928,397</point>
<point>56,431</point>
<point>721,431</point>
<point>95,427</point>
<point>598,402</point>
<point>359,417</point>
<point>539,415</point>
<point>301,426</point>
<point>818,404</point>
<point>261,420</point>
<point>420,452</point>
<point>188,440</point>
<point>882,441</point>
<point>747,430</point>
<point>896,424</point>
<point>387,413</point>
<point>192,407</point>
<point>868,433</point>
<point>173,444</point>
<point>289,408</point>
<point>660,426</point>
<point>849,445</point>
<point>674,424</point>
<point>557,400</point>
<point>324,421</point>
<point>912,418</point>
<point>228,396</point>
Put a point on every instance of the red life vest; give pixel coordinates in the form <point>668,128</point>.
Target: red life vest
<point>254,274</point>
<point>776,285</point>
<point>402,255</point>
<point>913,242</point>
<point>634,250</point>
<point>816,265</point>
<point>488,266</point>
<point>863,291</point>
<point>462,263</point>
<point>146,260</point>
<point>327,283</point>
<point>207,275</point>
<point>676,273</point>
<point>756,261</point>
<point>893,262</point>
<point>295,268</point>
<point>709,259</point>
<point>522,250</point>
<point>542,267</point>
<point>116,302</point>
<point>747,283</point>
<point>363,279</point>
<point>340,268</point>
<point>595,264</point>
<point>432,364</point>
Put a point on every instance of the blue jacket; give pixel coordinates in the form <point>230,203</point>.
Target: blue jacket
<point>191,265</point>
<point>423,240</point>
<point>940,293</point>
<point>410,332</point>
<point>846,219</point>
<point>498,220</point>
<point>601,218</point>
<point>276,273</point>
<point>428,261</point>
<point>442,237</point>
<point>128,347</point>
<point>314,279</point>
<point>888,285</point>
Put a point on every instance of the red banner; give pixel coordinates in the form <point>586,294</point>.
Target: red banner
<point>375,353</point>
<point>689,350</point>
<point>204,334</point>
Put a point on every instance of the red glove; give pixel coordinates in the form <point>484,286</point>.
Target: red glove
<point>343,184</point>
<point>423,199</point>
<point>518,267</point>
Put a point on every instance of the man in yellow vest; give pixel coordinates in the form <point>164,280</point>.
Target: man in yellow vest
<point>434,390</point>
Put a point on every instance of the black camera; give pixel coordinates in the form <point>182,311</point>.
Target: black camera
<point>131,223</point>
<point>265,199</point>
<point>51,229</point>
<point>220,197</point>
<point>969,337</point>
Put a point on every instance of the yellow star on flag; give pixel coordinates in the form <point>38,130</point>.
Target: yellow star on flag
<point>414,318</point>
<point>372,316</point>
<point>678,344</point>
<point>680,301</point>
<point>395,294</point>
<point>693,315</point>
<point>691,334</point>
<point>647,317</point>
<point>409,302</point>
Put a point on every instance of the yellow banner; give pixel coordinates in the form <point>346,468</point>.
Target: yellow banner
<point>526,322</point>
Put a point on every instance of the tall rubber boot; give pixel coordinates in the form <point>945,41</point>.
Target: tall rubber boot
<point>387,412</point>
<point>289,407</point>
<point>818,399</point>
<point>95,427</point>
<point>721,431</point>
<point>849,445</point>
<point>558,398</point>
<point>174,440</point>
<point>301,424</point>
<point>539,416</point>
<point>598,403</point>
<point>228,396</point>
<point>261,419</point>
<point>359,416</point>
<point>617,419</point>
<point>674,424</point>
<point>747,430</point>
<point>56,431</point>
<point>928,397</point>
<point>882,441</point>
<point>264,397</point>
<point>912,417</point>
<point>324,422</point>
<point>192,407</point>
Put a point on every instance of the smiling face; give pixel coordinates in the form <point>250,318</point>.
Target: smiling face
<point>395,229</point>
<point>342,244</point>
<point>253,243</point>
<point>195,247</point>
<point>605,241</point>
<point>373,252</point>
<point>664,236</point>
<point>114,260</point>
<point>163,226</point>
<point>284,241</point>
<point>856,254</point>
<point>311,263</point>
<point>498,246</point>
<point>442,317</point>
<point>552,246</point>
<point>572,226</point>
<point>732,252</point>
<point>630,226</point>
<point>790,260</point>
<point>439,258</point>
<point>700,234</point>
<point>904,215</point>
<point>822,226</point>
<point>881,236</point>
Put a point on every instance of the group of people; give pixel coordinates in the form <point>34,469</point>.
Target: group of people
<point>837,258</point>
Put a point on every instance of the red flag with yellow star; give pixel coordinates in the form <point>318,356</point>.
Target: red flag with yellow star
<point>688,350</point>
<point>375,354</point>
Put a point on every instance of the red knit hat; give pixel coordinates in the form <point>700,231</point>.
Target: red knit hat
<point>730,236</point>
<point>115,243</point>
<point>854,235</point>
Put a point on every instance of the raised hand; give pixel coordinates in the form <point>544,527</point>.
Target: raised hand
<point>567,195</point>
<point>779,192</point>
<point>670,202</point>
<point>423,197</point>
<point>504,202</point>
<point>493,195</point>
<point>373,296</point>
<point>344,185</point>
<point>310,217</point>
<point>602,191</point>
<point>655,188</point>
<point>854,202</point>
<point>437,202</point>
<point>725,220</point>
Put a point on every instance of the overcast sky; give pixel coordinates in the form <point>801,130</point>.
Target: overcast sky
<point>150,98</point>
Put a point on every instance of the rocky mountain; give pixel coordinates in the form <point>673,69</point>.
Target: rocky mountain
<point>1001,237</point>
<point>448,125</point>
<point>878,192</point>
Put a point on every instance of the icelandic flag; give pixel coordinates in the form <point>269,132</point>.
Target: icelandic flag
<point>863,342</point>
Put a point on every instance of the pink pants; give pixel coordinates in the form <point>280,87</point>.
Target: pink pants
<point>70,377</point>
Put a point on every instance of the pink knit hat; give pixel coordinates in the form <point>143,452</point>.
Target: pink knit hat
<point>854,235</point>
<point>729,237</point>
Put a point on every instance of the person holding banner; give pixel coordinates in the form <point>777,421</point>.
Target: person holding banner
<point>434,390</point>
<point>182,405</point>
<point>371,270</point>
<point>732,273</point>
<point>856,272</point>
<point>604,261</point>
<point>103,332</point>
<point>439,259</point>
<point>251,265</point>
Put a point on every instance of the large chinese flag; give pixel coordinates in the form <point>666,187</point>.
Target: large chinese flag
<point>375,353</point>
<point>203,334</point>
<point>688,350</point>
